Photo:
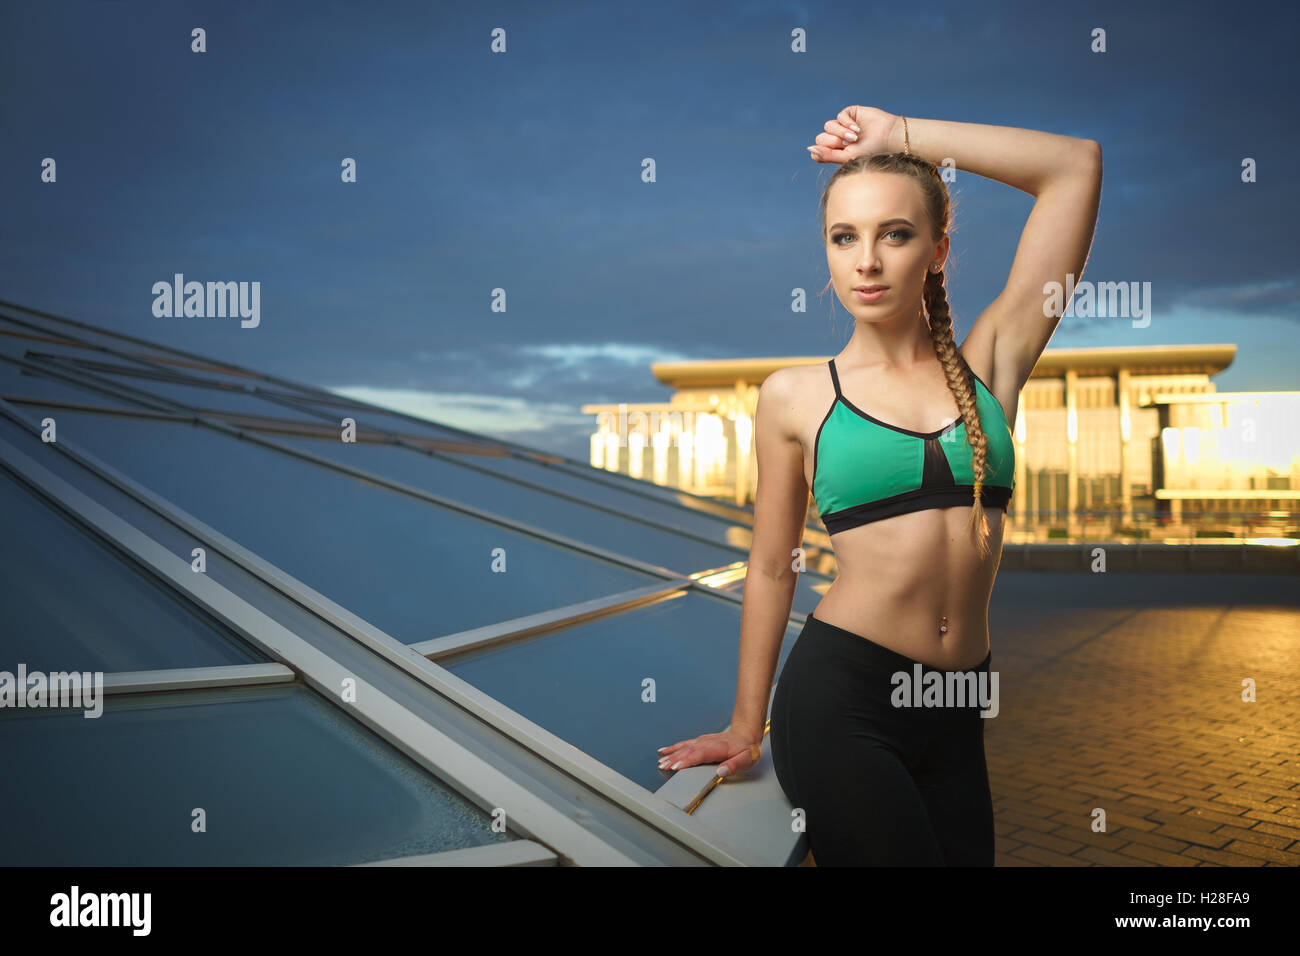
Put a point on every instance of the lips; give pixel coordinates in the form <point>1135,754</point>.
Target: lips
<point>869,288</point>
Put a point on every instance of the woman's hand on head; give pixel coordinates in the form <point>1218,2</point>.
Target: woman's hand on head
<point>731,750</point>
<point>841,141</point>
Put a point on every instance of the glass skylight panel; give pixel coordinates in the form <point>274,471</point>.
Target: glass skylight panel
<point>621,686</point>
<point>598,489</point>
<point>337,407</point>
<point>67,356</point>
<point>808,592</point>
<point>39,325</point>
<point>97,366</point>
<point>20,383</point>
<point>126,358</point>
<point>268,776</point>
<point>69,603</point>
<point>574,519</point>
<point>412,568</point>
<point>620,479</point>
<point>229,400</point>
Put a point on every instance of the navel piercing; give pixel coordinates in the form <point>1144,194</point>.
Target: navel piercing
<point>943,625</point>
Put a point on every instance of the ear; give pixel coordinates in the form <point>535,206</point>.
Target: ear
<point>941,252</point>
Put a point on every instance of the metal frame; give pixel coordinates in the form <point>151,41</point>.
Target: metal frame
<point>722,576</point>
<point>411,491</point>
<point>592,773</point>
<point>543,621</point>
<point>234,420</point>
<point>476,637</point>
<point>420,444</point>
<point>84,376</point>
<point>451,459</point>
<point>171,679</point>
<point>112,391</point>
<point>705,507</point>
<point>475,778</point>
<point>551,537</point>
<point>411,442</point>
<point>197,678</point>
<point>500,632</point>
<point>514,853</point>
<point>532,454</point>
<point>96,409</point>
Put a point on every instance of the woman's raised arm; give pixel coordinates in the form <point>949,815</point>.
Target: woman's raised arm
<point>1064,175</point>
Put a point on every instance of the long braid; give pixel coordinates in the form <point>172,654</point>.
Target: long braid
<point>962,386</point>
<point>960,378</point>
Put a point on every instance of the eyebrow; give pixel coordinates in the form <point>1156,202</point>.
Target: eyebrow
<point>887,222</point>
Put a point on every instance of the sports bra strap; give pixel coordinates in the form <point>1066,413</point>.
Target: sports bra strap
<point>835,380</point>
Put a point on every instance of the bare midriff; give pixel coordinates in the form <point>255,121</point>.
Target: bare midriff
<point>900,577</point>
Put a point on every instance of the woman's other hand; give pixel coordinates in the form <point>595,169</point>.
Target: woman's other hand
<point>856,131</point>
<point>733,751</point>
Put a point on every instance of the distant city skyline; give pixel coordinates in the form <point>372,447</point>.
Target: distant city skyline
<point>522,170</point>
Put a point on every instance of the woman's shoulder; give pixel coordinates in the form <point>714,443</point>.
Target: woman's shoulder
<point>794,393</point>
<point>793,380</point>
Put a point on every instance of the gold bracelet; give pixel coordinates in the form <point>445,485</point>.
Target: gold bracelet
<point>755,751</point>
<point>907,145</point>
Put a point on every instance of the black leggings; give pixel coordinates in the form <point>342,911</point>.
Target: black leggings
<point>879,785</point>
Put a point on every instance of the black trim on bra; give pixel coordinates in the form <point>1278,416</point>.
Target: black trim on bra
<point>937,488</point>
<point>1001,411</point>
<point>956,422</point>
<point>920,499</point>
<point>817,439</point>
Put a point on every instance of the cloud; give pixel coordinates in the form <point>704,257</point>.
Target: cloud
<point>544,368</point>
<point>1280,294</point>
<point>622,352</point>
<point>493,414</point>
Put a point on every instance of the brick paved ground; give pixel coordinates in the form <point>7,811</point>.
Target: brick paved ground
<point>1123,691</point>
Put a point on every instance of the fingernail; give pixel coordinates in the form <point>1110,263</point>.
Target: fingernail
<point>815,154</point>
<point>851,138</point>
<point>676,765</point>
<point>855,128</point>
<point>723,771</point>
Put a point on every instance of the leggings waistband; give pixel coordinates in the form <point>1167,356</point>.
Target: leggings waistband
<point>877,654</point>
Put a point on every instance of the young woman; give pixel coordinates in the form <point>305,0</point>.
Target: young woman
<point>904,440</point>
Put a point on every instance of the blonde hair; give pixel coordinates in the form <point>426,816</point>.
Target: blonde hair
<point>939,317</point>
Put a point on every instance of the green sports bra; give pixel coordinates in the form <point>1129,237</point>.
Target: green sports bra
<point>865,469</point>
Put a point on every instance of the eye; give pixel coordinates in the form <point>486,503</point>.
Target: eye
<point>903,234</point>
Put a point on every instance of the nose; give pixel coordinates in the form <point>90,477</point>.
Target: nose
<point>870,261</point>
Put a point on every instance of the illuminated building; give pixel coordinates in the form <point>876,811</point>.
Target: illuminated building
<point>1127,442</point>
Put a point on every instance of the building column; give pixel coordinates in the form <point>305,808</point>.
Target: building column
<point>1159,473</point>
<point>1125,449</point>
<point>745,440</point>
<point>1023,518</point>
<point>1072,449</point>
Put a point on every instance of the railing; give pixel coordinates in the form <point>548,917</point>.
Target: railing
<point>1109,524</point>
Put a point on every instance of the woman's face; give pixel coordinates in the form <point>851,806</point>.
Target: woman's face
<point>877,233</point>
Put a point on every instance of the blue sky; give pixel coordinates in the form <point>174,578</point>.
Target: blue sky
<point>522,171</point>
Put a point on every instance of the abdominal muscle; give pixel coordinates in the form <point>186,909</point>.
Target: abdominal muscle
<point>899,576</point>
